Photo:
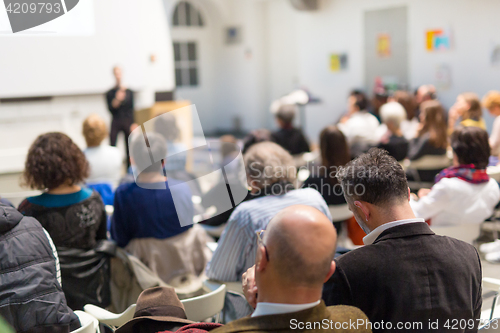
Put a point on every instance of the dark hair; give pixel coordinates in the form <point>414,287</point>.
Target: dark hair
<point>53,160</point>
<point>374,177</point>
<point>141,151</point>
<point>471,146</point>
<point>166,125</point>
<point>334,150</point>
<point>407,100</point>
<point>434,123</point>
<point>361,99</point>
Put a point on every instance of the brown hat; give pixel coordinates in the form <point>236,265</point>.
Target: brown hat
<point>157,304</point>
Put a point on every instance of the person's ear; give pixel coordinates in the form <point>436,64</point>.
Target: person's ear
<point>364,209</point>
<point>409,194</point>
<point>261,259</point>
<point>330,272</point>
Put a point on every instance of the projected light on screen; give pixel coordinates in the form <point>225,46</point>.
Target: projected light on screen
<point>60,17</point>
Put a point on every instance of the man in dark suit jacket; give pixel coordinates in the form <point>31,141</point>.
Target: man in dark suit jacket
<point>120,102</point>
<point>405,274</point>
<point>294,259</point>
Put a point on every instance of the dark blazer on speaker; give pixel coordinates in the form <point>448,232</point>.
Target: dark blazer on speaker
<point>409,274</point>
<point>317,319</point>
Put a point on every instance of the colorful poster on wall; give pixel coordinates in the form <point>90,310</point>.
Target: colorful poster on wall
<point>438,40</point>
<point>383,45</point>
<point>338,62</point>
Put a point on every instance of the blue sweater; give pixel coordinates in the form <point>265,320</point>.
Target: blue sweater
<point>150,213</point>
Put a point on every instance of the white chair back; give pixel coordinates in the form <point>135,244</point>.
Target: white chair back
<point>205,306</point>
<point>488,314</point>
<point>492,326</point>
<point>430,162</point>
<point>89,323</point>
<point>494,172</point>
<point>109,318</point>
<point>464,232</point>
<point>340,212</point>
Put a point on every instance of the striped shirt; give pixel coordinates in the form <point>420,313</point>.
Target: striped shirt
<point>236,249</point>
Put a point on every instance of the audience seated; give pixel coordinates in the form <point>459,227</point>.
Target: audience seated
<point>31,298</point>
<point>289,137</point>
<point>334,153</point>
<point>359,126</point>
<point>105,162</point>
<point>409,126</point>
<point>491,101</point>
<point>392,114</point>
<point>431,137</point>
<point>404,273</point>
<point>463,193</point>
<point>153,225</point>
<point>73,215</point>
<point>294,259</point>
<point>159,309</point>
<point>467,108</point>
<point>271,173</point>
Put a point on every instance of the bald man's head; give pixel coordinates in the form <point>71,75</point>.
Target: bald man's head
<point>301,245</point>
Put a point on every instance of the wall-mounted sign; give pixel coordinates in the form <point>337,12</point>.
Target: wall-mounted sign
<point>495,56</point>
<point>443,77</point>
<point>438,40</point>
<point>384,45</point>
<point>338,62</point>
<point>234,35</point>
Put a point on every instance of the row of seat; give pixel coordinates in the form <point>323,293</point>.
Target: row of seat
<point>197,309</point>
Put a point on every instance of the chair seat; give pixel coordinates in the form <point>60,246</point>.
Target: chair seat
<point>109,318</point>
<point>89,324</point>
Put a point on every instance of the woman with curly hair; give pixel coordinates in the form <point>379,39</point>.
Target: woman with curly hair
<point>73,215</point>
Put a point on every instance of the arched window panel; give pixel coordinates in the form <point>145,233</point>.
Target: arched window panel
<point>187,15</point>
<point>186,64</point>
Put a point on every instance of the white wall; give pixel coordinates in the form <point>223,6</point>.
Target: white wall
<point>126,33</point>
<point>78,71</point>
<point>338,27</point>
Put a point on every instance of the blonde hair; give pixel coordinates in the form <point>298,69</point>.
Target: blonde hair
<point>393,112</point>
<point>491,99</point>
<point>94,130</point>
<point>474,112</point>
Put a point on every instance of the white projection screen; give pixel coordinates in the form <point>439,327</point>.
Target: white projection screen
<point>75,52</point>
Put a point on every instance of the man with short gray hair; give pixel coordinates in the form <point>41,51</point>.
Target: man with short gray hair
<point>271,174</point>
